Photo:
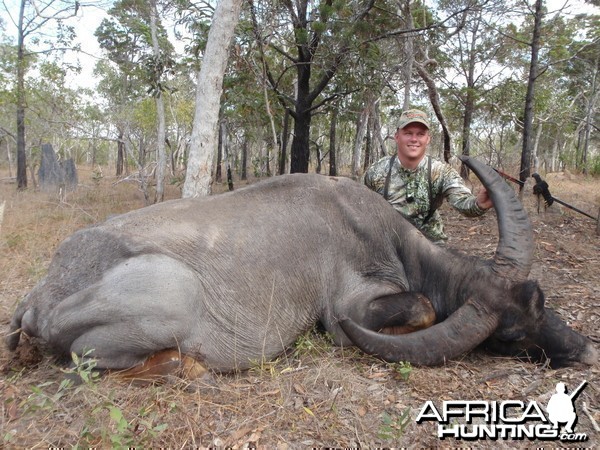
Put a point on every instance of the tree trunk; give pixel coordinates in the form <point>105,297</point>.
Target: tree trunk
<point>161,166</point>
<point>409,51</point>
<point>554,157</point>
<point>198,178</point>
<point>589,115</point>
<point>120,154</point>
<point>9,158</point>
<point>301,144</point>
<point>305,97</point>
<point>226,154</point>
<point>368,144</point>
<point>318,157</point>
<point>536,144</point>
<point>244,163</point>
<point>219,165</point>
<point>273,143</point>
<point>434,98</point>
<point>525,171</point>
<point>21,156</point>
<point>376,133</point>
<point>284,142</point>
<point>300,152</point>
<point>361,129</point>
<point>332,138</point>
<point>470,97</point>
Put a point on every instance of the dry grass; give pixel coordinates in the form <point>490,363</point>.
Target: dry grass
<point>316,395</point>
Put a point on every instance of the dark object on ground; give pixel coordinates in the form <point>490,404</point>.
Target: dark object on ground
<point>55,175</point>
<point>541,189</point>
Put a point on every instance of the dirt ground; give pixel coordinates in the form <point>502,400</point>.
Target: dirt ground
<point>316,395</point>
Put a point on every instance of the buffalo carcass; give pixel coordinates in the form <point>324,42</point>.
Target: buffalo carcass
<point>233,279</point>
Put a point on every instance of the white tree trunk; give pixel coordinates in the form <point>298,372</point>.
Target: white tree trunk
<point>204,140</point>
<point>361,130</point>
<point>409,51</point>
<point>376,116</point>
<point>161,165</point>
<point>536,144</point>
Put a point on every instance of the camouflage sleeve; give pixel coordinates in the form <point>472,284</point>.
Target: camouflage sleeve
<point>368,178</point>
<point>459,195</point>
<point>374,177</point>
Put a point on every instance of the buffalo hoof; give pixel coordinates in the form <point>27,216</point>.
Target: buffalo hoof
<point>161,366</point>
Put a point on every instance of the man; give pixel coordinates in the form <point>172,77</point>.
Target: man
<point>416,184</point>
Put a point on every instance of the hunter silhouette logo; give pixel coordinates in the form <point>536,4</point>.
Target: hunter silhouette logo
<point>510,419</point>
<point>561,408</point>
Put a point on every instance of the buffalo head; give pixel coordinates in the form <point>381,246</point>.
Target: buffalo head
<point>483,302</point>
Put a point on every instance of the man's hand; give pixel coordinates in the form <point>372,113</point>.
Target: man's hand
<point>483,199</point>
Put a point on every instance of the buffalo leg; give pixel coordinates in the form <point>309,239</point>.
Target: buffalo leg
<point>399,313</point>
<point>144,306</point>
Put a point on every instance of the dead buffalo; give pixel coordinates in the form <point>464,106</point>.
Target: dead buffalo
<point>236,278</point>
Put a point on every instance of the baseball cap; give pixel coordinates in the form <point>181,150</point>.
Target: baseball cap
<point>413,115</point>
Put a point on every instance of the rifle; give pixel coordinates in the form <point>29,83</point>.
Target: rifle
<point>574,209</point>
<point>521,183</point>
<point>508,177</point>
<point>579,388</point>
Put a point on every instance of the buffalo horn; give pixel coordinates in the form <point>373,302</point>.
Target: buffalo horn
<point>431,346</point>
<point>514,253</point>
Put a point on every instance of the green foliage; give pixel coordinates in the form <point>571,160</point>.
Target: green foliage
<point>312,343</point>
<point>392,427</point>
<point>13,240</point>
<point>404,369</point>
<point>84,368</point>
<point>121,432</point>
<point>594,165</point>
<point>41,400</point>
<point>107,422</point>
<point>367,58</point>
<point>301,35</point>
<point>157,69</point>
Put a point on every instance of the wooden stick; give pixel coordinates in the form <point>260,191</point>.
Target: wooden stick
<point>594,423</point>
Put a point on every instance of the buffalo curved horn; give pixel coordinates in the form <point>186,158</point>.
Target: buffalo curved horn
<point>474,321</point>
<point>514,253</point>
<point>431,346</point>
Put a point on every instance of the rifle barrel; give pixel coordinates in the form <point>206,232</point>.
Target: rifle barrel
<point>578,389</point>
<point>573,208</point>
<point>521,183</point>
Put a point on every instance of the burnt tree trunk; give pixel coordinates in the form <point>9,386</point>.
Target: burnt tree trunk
<point>120,154</point>
<point>244,163</point>
<point>300,152</point>
<point>219,170</point>
<point>332,138</point>
<point>368,144</point>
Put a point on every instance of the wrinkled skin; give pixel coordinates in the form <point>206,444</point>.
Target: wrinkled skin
<point>234,279</point>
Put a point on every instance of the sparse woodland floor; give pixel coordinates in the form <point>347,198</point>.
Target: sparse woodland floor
<point>314,396</point>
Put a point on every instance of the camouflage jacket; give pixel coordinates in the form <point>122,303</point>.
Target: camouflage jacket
<point>408,192</point>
